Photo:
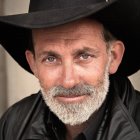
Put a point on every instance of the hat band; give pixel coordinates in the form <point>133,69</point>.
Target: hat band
<point>41,5</point>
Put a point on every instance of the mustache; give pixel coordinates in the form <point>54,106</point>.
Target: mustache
<point>81,89</point>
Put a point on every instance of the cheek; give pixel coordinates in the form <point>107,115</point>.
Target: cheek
<point>48,77</point>
<point>94,73</point>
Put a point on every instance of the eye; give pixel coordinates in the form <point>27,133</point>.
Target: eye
<point>84,56</point>
<point>51,59</point>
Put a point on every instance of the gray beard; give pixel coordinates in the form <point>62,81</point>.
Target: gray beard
<point>77,113</point>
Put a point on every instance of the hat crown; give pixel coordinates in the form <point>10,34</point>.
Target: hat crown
<point>41,5</point>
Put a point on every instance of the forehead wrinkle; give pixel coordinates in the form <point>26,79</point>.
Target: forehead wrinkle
<point>73,34</point>
<point>70,32</point>
<point>71,38</point>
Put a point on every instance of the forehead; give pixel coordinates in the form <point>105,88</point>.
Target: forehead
<point>75,30</point>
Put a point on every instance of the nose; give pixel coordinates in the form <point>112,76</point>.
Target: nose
<point>70,76</point>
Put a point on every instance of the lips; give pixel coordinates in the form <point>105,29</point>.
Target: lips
<point>71,98</point>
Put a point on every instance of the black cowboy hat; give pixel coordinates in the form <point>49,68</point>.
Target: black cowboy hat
<point>121,17</point>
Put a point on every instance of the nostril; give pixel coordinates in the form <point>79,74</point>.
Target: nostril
<point>70,80</point>
<point>69,83</point>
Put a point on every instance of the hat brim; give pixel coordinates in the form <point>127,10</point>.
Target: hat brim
<point>15,30</point>
<point>54,17</point>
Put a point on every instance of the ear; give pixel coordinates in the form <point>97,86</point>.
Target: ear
<point>117,51</point>
<point>31,61</point>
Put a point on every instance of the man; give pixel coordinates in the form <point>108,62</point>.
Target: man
<point>85,94</point>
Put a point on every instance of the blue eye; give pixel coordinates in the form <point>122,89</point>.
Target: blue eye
<point>84,56</point>
<point>51,59</point>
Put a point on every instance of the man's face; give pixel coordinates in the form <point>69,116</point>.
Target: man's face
<point>71,63</point>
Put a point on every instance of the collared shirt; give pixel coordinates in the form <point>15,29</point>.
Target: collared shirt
<point>89,133</point>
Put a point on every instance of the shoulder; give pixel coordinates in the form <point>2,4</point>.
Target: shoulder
<point>16,115</point>
<point>23,105</point>
<point>137,109</point>
<point>137,101</point>
<point>138,95</point>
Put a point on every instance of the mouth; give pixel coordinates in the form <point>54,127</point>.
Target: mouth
<point>71,98</point>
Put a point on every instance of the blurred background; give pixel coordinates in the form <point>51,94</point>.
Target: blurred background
<point>16,83</point>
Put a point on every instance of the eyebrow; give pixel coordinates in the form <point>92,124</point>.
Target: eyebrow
<point>49,53</point>
<point>75,53</point>
<point>85,49</point>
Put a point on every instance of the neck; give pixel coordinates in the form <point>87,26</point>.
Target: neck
<point>73,131</point>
